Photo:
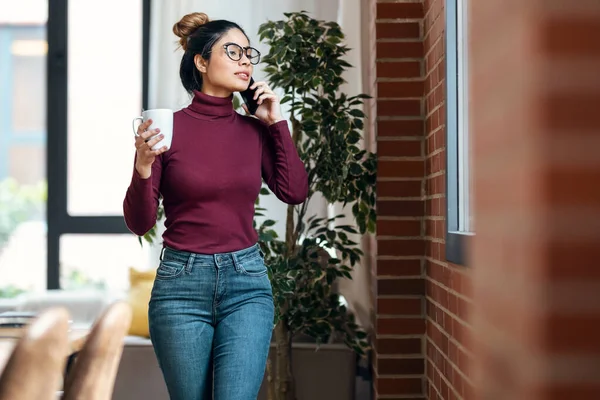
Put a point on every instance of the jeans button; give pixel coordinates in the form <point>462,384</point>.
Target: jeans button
<point>219,259</point>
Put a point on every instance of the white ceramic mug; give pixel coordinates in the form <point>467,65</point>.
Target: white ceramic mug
<point>162,118</point>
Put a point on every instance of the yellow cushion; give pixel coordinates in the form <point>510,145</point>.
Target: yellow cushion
<point>139,295</point>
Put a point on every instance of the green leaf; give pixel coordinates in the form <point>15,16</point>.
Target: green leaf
<point>355,169</point>
<point>358,123</point>
<point>353,137</point>
<point>266,236</point>
<point>371,226</point>
<point>342,125</point>
<point>347,228</point>
<point>357,113</point>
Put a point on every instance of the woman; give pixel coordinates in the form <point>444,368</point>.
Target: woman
<point>211,309</point>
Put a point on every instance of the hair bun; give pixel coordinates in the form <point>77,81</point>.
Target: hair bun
<point>188,25</point>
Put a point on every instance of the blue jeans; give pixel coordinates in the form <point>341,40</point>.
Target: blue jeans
<point>211,319</point>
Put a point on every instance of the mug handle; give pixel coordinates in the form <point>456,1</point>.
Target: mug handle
<point>134,127</point>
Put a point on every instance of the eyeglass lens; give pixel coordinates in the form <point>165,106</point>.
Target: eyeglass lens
<point>235,52</point>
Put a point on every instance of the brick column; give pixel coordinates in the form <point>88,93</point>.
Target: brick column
<point>448,286</point>
<point>399,281</point>
<point>535,104</point>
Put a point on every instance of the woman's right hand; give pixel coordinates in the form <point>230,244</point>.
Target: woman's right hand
<point>145,154</point>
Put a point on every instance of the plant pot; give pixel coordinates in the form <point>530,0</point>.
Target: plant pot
<point>328,373</point>
<point>152,250</point>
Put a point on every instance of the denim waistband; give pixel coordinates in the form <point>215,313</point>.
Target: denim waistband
<point>169,254</point>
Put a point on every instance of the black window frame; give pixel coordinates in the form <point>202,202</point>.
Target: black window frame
<point>59,222</point>
<point>456,241</point>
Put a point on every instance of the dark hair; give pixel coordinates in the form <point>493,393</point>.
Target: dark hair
<point>197,36</point>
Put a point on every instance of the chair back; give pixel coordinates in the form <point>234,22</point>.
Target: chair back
<point>92,376</point>
<point>36,364</point>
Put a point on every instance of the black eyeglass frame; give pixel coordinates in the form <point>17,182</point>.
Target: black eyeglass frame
<point>245,52</point>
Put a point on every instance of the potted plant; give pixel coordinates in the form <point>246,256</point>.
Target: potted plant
<point>306,61</point>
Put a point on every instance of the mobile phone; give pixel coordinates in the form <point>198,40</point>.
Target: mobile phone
<point>248,96</point>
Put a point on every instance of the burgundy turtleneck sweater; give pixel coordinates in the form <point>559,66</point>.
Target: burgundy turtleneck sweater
<point>211,176</point>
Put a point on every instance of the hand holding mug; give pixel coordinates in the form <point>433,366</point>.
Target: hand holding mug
<point>144,141</point>
<point>150,143</point>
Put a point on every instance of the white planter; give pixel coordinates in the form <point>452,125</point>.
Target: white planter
<point>152,251</point>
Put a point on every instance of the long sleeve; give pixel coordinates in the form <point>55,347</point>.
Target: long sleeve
<point>282,169</point>
<point>141,200</point>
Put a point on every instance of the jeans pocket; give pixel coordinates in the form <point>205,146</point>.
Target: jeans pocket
<point>254,266</point>
<point>169,269</point>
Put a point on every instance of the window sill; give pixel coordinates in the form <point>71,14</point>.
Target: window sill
<point>456,247</point>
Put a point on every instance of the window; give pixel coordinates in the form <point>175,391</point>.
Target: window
<point>66,147</point>
<point>97,84</point>
<point>23,51</point>
<point>460,223</point>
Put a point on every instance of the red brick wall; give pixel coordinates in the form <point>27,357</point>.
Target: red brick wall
<point>532,330</point>
<point>399,284</point>
<point>422,328</point>
<point>537,314</point>
<point>448,286</point>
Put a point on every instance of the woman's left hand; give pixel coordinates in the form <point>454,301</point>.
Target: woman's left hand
<point>269,108</point>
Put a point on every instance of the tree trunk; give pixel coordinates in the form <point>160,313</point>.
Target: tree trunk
<point>284,382</point>
<point>284,379</point>
<point>270,381</point>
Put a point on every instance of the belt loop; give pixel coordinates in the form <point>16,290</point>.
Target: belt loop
<point>236,262</point>
<point>162,253</point>
<point>190,262</point>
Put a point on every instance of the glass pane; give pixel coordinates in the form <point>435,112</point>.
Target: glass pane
<point>22,146</point>
<point>20,159</point>
<point>29,50</point>
<point>99,261</point>
<point>464,142</point>
<point>105,94</point>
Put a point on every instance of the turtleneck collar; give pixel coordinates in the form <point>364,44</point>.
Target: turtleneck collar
<point>211,106</point>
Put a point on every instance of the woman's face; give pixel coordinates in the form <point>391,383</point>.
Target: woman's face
<point>222,75</point>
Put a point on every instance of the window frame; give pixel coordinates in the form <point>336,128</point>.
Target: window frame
<point>59,222</point>
<point>458,232</point>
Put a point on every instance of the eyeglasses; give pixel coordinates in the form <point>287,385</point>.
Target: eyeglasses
<point>235,52</point>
